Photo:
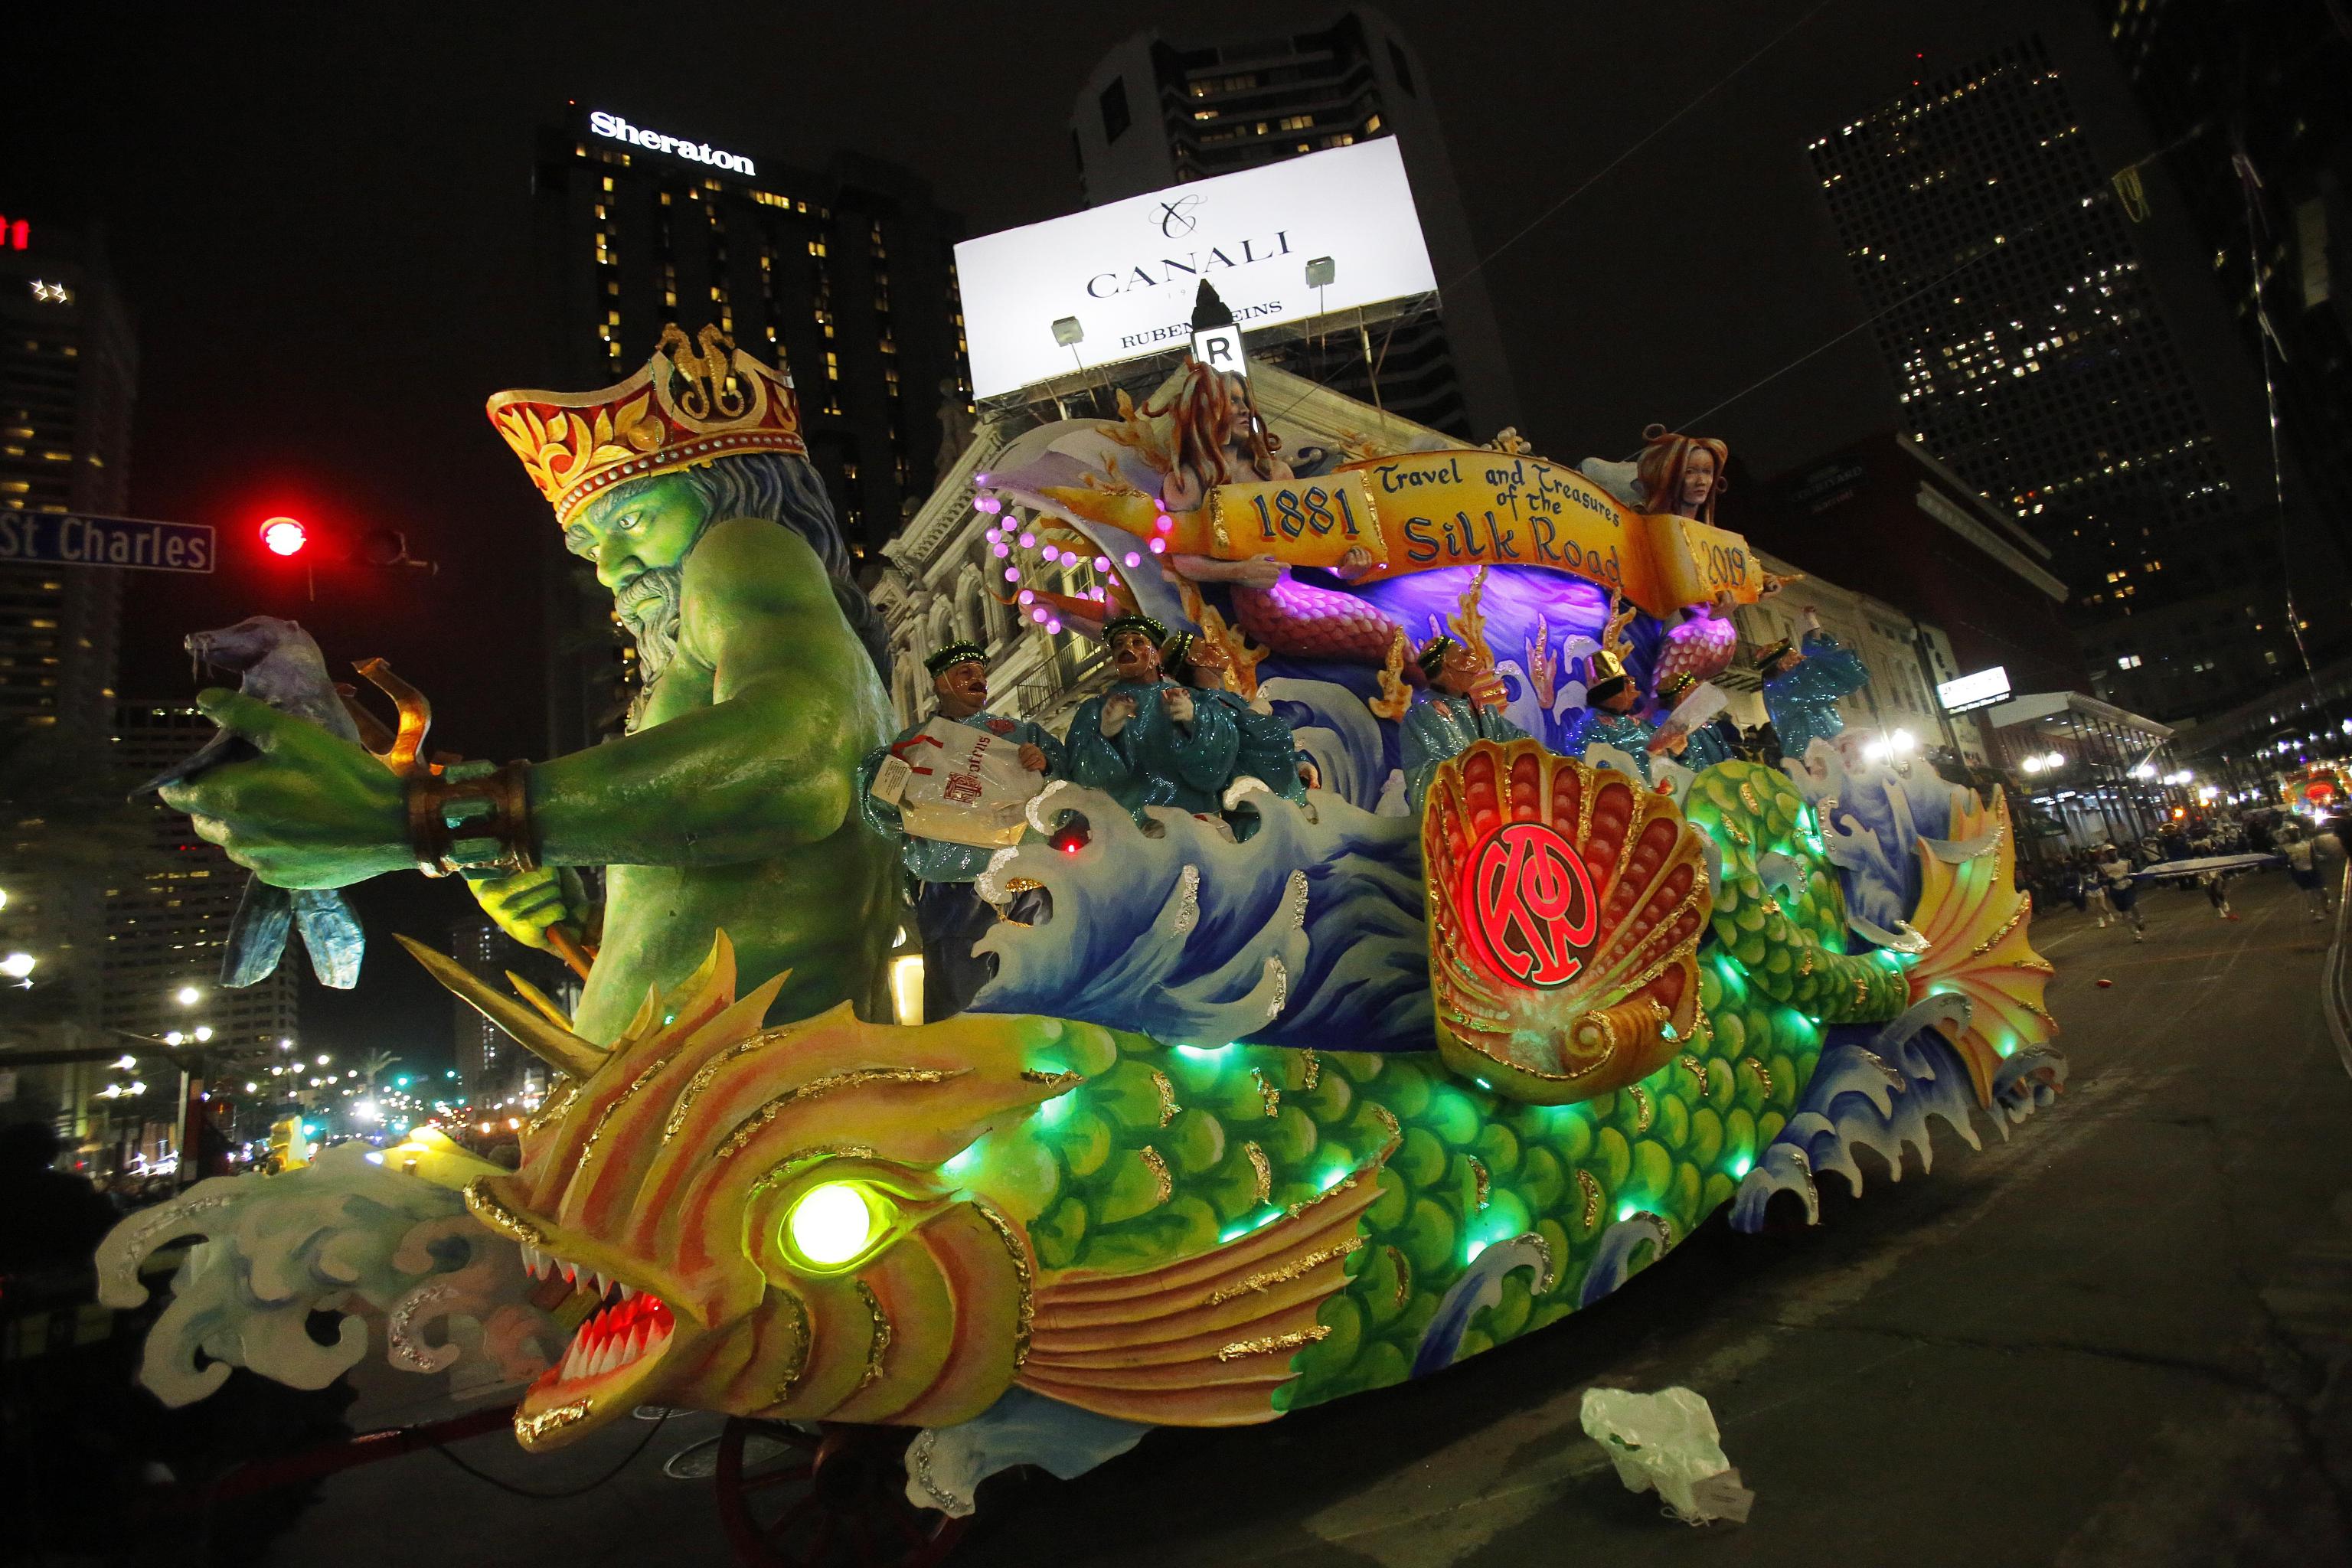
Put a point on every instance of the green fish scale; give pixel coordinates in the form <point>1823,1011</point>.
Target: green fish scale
<point>1124,1174</point>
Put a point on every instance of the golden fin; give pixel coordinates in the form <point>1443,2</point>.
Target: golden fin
<point>1977,923</point>
<point>557,1046</point>
<point>1205,1342</point>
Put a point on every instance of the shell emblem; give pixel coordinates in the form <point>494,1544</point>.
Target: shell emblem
<point>1566,907</point>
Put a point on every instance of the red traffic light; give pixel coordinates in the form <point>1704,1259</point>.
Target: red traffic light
<point>284,536</point>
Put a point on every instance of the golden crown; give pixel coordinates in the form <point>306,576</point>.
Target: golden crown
<point>692,402</point>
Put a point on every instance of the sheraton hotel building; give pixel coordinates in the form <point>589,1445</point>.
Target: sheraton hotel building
<point>845,276</point>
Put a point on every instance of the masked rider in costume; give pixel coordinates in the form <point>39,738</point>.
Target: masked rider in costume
<point>1694,749</point>
<point>728,803</point>
<point>949,914</point>
<point>1802,685</point>
<point>1463,704</point>
<point>1268,751</point>
<point>1148,740</point>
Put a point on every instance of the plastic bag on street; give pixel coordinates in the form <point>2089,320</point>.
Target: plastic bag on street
<point>1667,1441</point>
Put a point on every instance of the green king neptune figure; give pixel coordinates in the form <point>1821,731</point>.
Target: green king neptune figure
<point>728,803</point>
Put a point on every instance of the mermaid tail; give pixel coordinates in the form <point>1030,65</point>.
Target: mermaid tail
<point>1305,622</point>
<point>1701,647</point>
<point>1975,919</point>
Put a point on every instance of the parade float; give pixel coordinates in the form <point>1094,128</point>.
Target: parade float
<point>1398,957</point>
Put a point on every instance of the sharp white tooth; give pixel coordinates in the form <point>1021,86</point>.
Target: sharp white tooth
<point>571,1273</point>
<point>627,1292</point>
<point>572,1360</point>
<point>607,1359</point>
<point>637,1342</point>
<point>604,1286</point>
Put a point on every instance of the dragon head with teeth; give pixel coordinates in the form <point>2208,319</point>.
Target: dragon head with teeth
<point>756,1208</point>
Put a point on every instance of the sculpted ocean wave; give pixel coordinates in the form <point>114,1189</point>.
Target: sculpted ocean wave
<point>1309,935</point>
<point>1871,819</point>
<point>388,1253</point>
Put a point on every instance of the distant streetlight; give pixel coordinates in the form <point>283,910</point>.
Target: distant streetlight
<point>4,892</point>
<point>175,1038</point>
<point>204,1033</point>
<point>18,966</point>
<point>187,995</point>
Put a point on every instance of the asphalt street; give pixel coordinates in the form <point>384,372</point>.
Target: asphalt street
<point>2121,1336</point>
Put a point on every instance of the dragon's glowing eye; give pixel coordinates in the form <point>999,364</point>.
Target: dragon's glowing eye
<point>831,1223</point>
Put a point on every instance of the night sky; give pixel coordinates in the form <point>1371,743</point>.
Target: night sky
<point>324,234</point>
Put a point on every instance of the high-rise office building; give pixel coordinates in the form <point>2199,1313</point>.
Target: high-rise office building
<point>2032,356</point>
<point>169,909</point>
<point>1158,112</point>
<point>846,278</point>
<point>490,1066</point>
<point>2270,85</point>
<point>68,373</point>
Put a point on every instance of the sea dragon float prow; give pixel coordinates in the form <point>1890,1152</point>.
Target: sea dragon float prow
<point>781,1221</point>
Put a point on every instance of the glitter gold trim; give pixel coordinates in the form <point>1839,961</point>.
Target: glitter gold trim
<point>1762,1076</point>
<point>529,1429</point>
<point>803,1342</point>
<point>1168,1106</point>
<point>1479,1183</point>
<point>785,1169</point>
<point>879,1344</point>
<point>1697,1068</point>
<point>1167,1184</point>
<point>1268,1091</point>
<point>1396,1132</point>
<point>1403,1276</point>
<point>1059,1081</point>
<point>1264,1169</point>
<point>1748,797</point>
<point>501,1218</point>
<point>1291,1270</point>
<point>701,1080</point>
<point>2007,926</point>
<point>604,1117</point>
<point>1273,1342</point>
<point>1021,1270</point>
<point>551,1112</point>
<point>1310,1071</point>
<point>816,1088</point>
<point>1587,1183</point>
<point>1642,1112</point>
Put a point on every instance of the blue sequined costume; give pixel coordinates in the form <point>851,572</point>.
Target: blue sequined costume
<point>1439,725</point>
<point>1803,699</point>
<point>1270,753</point>
<point>1154,760</point>
<point>1629,733</point>
<point>1706,748</point>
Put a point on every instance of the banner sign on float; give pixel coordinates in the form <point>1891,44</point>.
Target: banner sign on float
<point>1127,271</point>
<point>1306,522</point>
<point>55,538</point>
<point>1421,510</point>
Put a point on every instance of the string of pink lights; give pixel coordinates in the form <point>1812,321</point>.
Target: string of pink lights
<point>1013,541</point>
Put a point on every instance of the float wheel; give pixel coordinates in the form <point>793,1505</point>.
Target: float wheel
<point>831,1497</point>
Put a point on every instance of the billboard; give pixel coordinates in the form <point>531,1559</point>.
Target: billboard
<point>1982,690</point>
<point>1116,282</point>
